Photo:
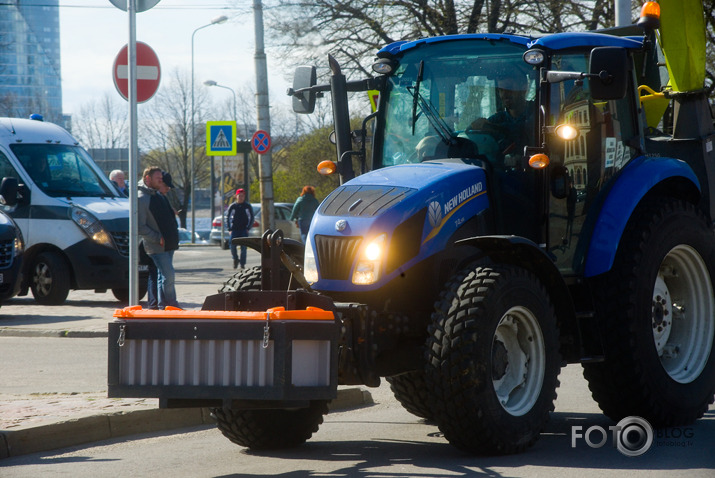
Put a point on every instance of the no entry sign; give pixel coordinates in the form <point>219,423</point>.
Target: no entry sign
<point>148,72</point>
<point>261,142</point>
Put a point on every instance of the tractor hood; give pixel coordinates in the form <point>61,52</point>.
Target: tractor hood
<point>417,208</point>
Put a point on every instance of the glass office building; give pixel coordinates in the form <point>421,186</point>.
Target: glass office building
<point>30,80</point>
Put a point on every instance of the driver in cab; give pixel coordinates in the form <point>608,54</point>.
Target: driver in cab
<point>513,126</point>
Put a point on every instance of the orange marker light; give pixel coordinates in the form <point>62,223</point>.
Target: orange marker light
<point>539,161</point>
<point>650,9</point>
<point>327,167</point>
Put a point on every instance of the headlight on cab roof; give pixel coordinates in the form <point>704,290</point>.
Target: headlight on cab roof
<point>369,265</point>
<point>91,226</point>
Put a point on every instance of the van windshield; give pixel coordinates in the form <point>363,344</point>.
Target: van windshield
<point>61,170</point>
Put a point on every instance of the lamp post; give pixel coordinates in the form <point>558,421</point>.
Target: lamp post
<point>215,21</point>
<point>223,225</point>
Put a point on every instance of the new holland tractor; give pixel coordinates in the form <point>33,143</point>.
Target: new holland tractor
<point>526,203</point>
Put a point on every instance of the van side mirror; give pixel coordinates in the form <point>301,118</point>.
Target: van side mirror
<point>608,72</point>
<point>8,191</point>
<point>303,96</point>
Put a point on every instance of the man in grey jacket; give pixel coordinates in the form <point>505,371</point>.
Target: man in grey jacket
<point>151,236</point>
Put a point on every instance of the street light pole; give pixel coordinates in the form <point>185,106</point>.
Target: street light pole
<point>235,116</point>
<point>215,21</point>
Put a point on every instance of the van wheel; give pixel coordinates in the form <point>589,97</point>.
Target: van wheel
<point>50,282</point>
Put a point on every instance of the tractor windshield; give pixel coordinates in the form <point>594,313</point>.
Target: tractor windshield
<point>460,99</point>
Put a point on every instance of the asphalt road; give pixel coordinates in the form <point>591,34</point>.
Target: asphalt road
<point>384,441</point>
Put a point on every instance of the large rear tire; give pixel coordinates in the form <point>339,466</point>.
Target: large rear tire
<point>271,429</point>
<point>410,389</point>
<point>50,279</point>
<point>657,318</point>
<point>493,360</point>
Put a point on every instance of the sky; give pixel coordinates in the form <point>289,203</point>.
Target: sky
<point>92,32</point>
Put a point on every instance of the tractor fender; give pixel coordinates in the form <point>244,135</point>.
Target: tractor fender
<point>635,181</point>
<point>525,253</point>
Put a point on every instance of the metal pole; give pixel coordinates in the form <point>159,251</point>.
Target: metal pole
<point>215,21</point>
<point>623,13</point>
<point>264,120</point>
<point>133,157</point>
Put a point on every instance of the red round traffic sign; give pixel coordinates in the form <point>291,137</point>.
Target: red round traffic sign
<point>261,142</point>
<point>148,72</point>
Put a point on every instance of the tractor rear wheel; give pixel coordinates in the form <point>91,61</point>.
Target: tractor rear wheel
<point>657,318</point>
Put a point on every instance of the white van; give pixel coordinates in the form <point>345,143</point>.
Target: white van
<point>74,221</point>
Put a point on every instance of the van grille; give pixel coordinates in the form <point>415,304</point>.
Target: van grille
<point>6,252</point>
<point>336,255</point>
<point>121,240</point>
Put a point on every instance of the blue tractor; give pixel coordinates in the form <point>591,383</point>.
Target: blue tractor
<point>523,203</point>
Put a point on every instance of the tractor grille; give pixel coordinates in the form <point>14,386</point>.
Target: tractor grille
<point>121,240</point>
<point>6,252</point>
<point>335,255</point>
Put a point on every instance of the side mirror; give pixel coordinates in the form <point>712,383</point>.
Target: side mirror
<point>8,191</point>
<point>303,97</point>
<point>608,73</point>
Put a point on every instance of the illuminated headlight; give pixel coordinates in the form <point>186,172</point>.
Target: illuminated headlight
<point>310,269</point>
<point>19,245</point>
<point>367,270</point>
<point>92,227</point>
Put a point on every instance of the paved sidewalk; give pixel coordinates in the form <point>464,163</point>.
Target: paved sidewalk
<point>40,418</point>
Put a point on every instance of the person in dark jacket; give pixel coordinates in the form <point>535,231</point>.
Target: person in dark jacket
<point>159,232</point>
<point>303,210</point>
<point>239,220</point>
<point>153,290</point>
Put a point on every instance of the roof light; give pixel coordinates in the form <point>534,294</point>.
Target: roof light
<point>651,9</point>
<point>534,57</point>
<point>650,17</point>
<point>383,66</point>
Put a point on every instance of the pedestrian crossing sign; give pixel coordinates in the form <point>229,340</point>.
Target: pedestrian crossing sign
<point>221,138</point>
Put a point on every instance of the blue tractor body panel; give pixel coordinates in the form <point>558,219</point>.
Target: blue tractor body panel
<point>445,194</point>
<point>637,178</point>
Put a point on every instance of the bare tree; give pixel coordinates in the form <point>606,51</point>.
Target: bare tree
<point>102,123</point>
<point>353,30</point>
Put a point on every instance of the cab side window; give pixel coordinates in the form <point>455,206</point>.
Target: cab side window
<point>6,169</point>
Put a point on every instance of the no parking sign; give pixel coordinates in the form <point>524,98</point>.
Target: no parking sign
<point>261,142</point>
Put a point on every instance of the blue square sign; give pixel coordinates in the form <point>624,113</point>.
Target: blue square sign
<point>221,138</point>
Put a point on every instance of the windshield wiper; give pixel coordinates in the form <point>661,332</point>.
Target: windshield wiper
<point>416,94</point>
<point>437,122</point>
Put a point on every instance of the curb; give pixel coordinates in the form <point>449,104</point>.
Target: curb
<point>19,332</point>
<point>104,427</point>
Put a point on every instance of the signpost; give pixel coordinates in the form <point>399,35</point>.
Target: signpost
<point>261,142</point>
<point>148,72</point>
<point>131,8</point>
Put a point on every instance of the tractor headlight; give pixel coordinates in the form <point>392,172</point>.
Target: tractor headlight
<point>92,227</point>
<point>310,269</point>
<point>367,270</point>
